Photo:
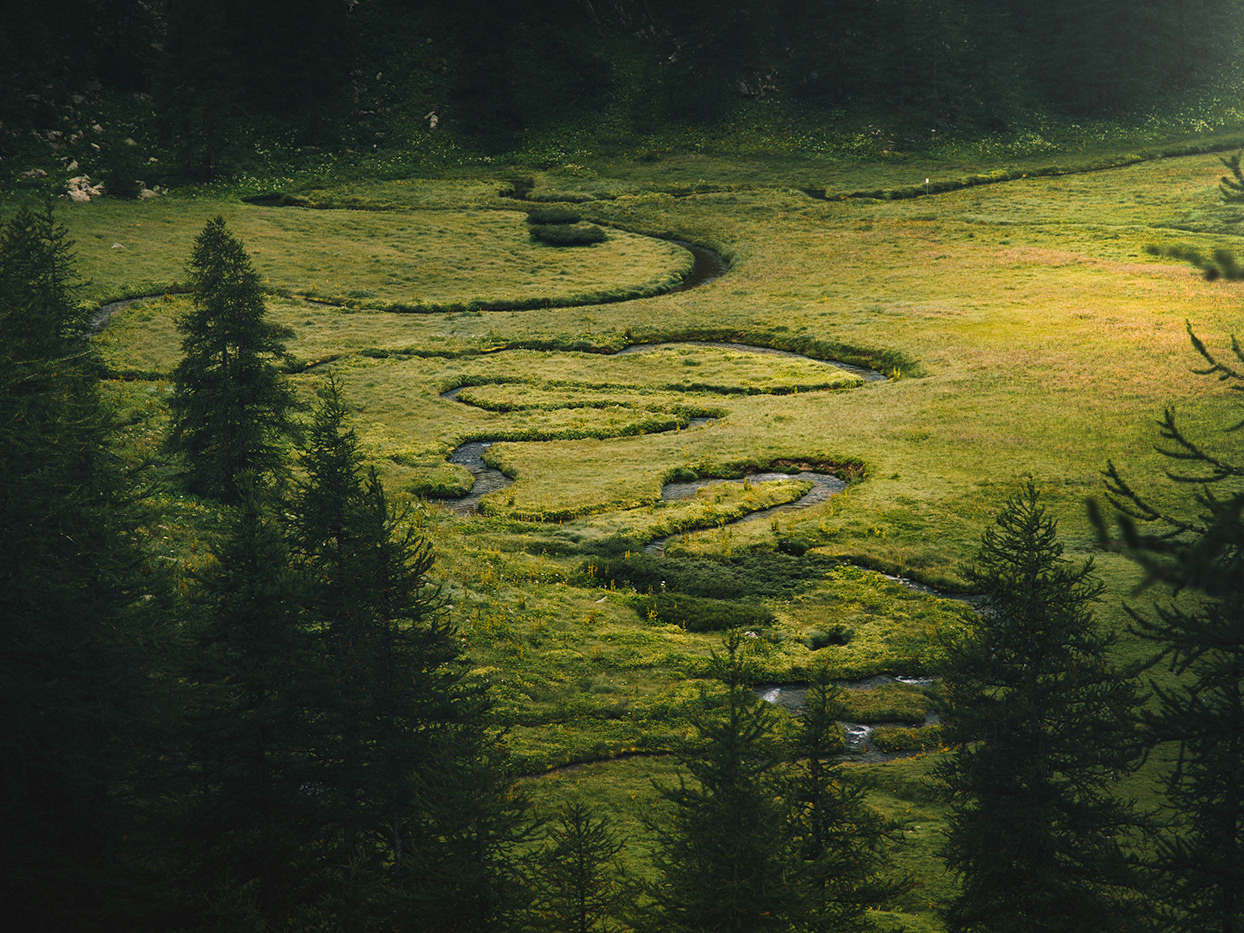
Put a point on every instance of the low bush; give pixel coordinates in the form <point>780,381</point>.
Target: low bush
<point>837,635</point>
<point>897,739</point>
<point>696,614</point>
<point>553,214</point>
<point>568,234</point>
<point>795,545</point>
<point>757,574</point>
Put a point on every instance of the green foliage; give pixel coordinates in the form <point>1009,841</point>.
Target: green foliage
<point>579,883</point>
<point>1036,827</point>
<point>761,573</point>
<point>553,214</point>
<point>568,234</point>
<point>698,614</point>
<point>78,662</point>
<point>1198,635</point>
<point>897,739</point>
<point>231,410</point>
<point>836,635</point>
<point>723,846</point>
<point>842,844</point>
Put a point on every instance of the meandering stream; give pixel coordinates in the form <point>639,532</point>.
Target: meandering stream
<point>708,266</point>
<point>488,480</point>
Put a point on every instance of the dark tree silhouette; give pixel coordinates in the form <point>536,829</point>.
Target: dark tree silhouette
<point>73,662</point>
<point>1042,729</point>
<point>230,407</point>
<point>724,859</point>
<point>1196,550</point>
<point>579,884</point>
<point>842,845</point>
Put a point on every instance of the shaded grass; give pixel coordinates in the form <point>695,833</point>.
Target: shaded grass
<point>417,260</point>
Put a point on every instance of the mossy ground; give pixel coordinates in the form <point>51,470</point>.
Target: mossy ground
<point>1027,332</point>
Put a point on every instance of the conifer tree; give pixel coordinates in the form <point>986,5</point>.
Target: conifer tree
<point>464,872</point>
<point>73,664</point>
<point>579,884</point>
<point>1198,632</point>
<point>1232,188</point>
<point>251,821</point>
<point>842,844</point>
<point>1041,725</point>
<point>230,407</point>
<point>724,855</point>
<point>417,809</point>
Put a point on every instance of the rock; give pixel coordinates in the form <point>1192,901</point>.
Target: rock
<point>81,189</point>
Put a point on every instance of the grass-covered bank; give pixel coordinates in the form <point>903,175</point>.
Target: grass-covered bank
<point>1026,332</point>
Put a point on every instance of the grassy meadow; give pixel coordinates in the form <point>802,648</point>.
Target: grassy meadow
<point>1024,331</point>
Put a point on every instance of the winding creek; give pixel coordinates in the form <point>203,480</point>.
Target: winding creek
<point>708,266</point>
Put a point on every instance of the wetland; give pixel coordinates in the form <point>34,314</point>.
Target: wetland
<point>812,441</point>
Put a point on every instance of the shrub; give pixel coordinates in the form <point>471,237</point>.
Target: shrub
<point>553,214</point>
<point>763,573</point>
<point>567,234</point>
<point>836,635</point>
<point>897,739</point>
<point>696,614</point>
<point>796,545</point>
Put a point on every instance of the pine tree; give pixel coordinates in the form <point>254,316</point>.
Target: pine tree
<point>73,661</point>
<point>1232,188</point>
<point>842,844</point>
<point>580,886</point>
<point>421,820</point>
<point>724,854</point>
<point>250,826</point>
<point>464,871</point>
<point>1199,636</point>
<point>231,410</point>
<point>1041,724</point>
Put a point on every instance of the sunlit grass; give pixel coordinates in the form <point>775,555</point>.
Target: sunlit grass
<point>1028,333</point>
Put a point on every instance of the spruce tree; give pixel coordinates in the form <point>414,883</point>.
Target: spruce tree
<point>842,844</point>
<point>1232,188</point>
<point>250,822</point>
<point>1041,725</point>
<point>464,871</point>
<point>231,410</point>
<point>74,665</point>
<point>421,821</point>
<point>724,852</point>
<point>579,883</point>
<point>1197,551</point>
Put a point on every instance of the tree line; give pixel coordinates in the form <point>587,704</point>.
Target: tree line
<point>289,739</point>
<point>377,73</point>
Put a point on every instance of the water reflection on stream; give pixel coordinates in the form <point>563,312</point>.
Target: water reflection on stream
<point>856,735</point>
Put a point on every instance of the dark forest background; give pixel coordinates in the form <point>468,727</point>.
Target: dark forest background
<point>203,79</point>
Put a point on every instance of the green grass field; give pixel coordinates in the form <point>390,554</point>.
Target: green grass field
<point>1025,331</point>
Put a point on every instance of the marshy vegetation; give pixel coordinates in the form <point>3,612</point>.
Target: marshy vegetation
<point>1026,331</point>
<point>1020,286</point>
